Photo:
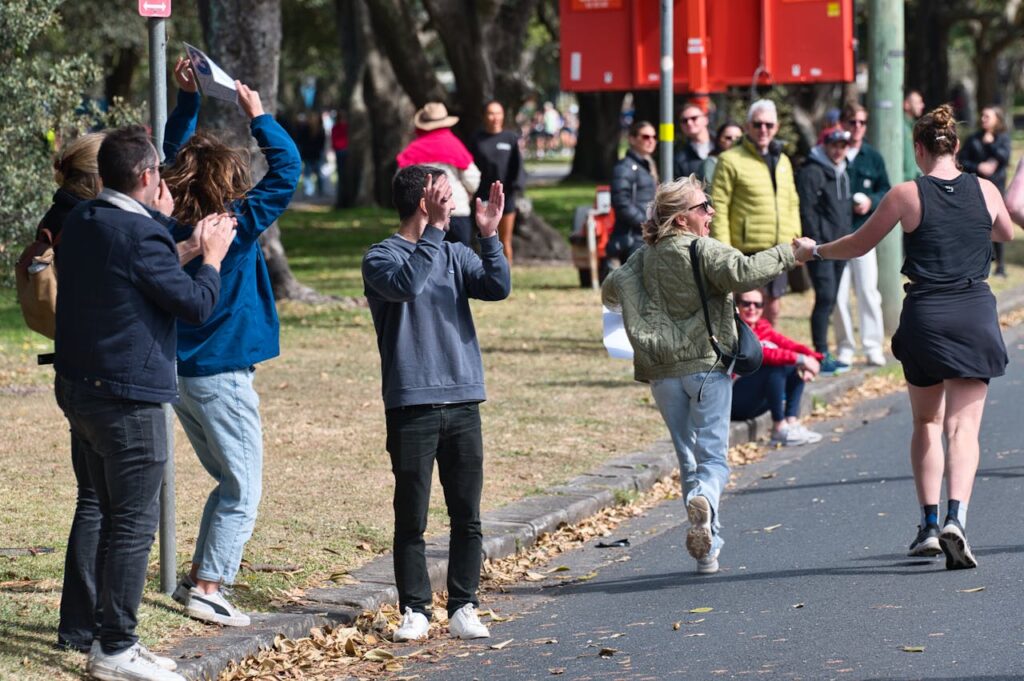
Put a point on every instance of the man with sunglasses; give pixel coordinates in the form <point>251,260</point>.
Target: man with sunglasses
<point>869,182</point>
<point>634,179</point>
<point>698,145</point>
<point>755,195</point>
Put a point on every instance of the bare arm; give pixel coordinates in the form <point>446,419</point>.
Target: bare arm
<point>1015,195</point>
<point>889,213</point>
<point>1002,228</point>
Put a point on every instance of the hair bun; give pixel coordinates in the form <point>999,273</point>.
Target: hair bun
<point>942,116</point>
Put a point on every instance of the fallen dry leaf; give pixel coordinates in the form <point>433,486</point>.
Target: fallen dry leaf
<point>555,671</point>
<point>913,649</point>
<point>499,646</point>
<point>698,611</point>
<point>971,591</point>
<point>798,605</point>
<point>772,528</point>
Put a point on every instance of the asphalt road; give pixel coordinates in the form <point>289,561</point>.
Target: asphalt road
<point>815,583</point>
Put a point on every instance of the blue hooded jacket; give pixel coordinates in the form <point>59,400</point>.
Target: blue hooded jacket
<point>243,328</point>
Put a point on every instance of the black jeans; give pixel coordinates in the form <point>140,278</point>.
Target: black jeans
<point>79,613</point>
<point>124,446</point>
<point>416,436</point>
<point>825,277</point>
<point>777,389</point>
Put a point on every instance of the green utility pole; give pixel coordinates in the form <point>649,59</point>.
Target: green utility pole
<point>885,132</point>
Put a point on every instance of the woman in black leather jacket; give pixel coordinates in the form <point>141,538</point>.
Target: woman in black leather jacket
<point>634,180</point>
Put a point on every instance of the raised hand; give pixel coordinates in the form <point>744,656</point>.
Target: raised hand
<point>163,201</point>
<point>488,216</point>
<point>437,199</point>
<point>184,76</point>
<point>249,100</point>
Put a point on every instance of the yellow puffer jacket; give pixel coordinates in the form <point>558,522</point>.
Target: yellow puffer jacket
<point>661,307</point>
<point>751,215</point>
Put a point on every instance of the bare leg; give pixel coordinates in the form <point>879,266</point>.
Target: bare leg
<point>505,226</point>
<point>926,457</point>
<point>965,404</point>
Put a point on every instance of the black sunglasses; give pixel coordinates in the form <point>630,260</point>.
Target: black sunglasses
<point>748,303</point>
<point>648,137</point>
<point>704,205</point>
<point>762,124</point>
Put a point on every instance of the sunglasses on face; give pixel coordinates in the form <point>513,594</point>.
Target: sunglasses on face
<point>856,123</point>
<point>704,205</point>
<point>648,137</point>
<point>750,303</point>
<point>763,124</point>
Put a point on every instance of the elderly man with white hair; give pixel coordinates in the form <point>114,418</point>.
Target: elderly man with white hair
<point>754,193</point>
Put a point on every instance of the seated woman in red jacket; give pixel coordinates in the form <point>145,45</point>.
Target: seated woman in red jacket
<point>779,384</point>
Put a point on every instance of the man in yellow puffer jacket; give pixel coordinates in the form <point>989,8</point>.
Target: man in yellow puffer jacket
<point>754,194</point>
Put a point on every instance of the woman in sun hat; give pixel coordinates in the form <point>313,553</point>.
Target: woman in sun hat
<point>436,145</point>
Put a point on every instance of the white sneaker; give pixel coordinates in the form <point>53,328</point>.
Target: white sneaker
<point>180,593</point>
<point>708,565</point>
<point>876,358</point>
<point>465,624</point>
<point>144,652</point>
<point>134,664</point>
<point>414,626</point>
<point>810,437</point>
<point>698,537</point>
<point>214,608</point>
<point>790,436</point>
<point>845,357</point>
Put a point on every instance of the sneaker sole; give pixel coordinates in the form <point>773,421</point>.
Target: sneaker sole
<point>928,548</point>
<point>404,639</point>
<point>214,618</point>
<point>469,637</point>
<point>709,569</point>
<point>698,538</point>
<point>958,553</point>
<point>115,674</point>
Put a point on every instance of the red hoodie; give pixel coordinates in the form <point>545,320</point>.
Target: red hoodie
<point>778,349</point>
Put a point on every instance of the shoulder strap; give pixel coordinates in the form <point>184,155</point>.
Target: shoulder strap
<point>695,263</point>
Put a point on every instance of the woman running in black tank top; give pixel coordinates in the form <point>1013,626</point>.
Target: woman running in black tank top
<point>948,339</point>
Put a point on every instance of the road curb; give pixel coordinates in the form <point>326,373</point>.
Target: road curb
<point>507,530</point>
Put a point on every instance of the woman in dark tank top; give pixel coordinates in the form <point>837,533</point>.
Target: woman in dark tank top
<point>948,340</point>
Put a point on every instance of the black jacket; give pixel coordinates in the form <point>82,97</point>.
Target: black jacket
<point>63,203</point>
<point>687,161</point>
<point>826,207</point>
<point>119,292</point>
<point>632,189</point>
<point>975,150</point>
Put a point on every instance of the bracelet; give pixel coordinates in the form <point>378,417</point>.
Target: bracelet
<point>816,255</point>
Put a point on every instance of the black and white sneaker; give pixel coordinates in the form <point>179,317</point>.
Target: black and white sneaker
<point>926,543</point>
<point>180,593</point>
<point>214,608</point>
<point>954,544</point>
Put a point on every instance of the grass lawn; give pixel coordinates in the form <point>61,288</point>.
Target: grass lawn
<point>557,407</point>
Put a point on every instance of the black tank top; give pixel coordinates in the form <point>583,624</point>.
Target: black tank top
<point>953,243</point>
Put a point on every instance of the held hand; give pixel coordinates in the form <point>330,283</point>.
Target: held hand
<point>184,76</point>
<point>194,242</point>
<point>163,201</point>
<point>437,199</point>
<point>249,100</point>
<point>803,248</point>
<point>987,168</point>
<point>488,217</point>
<point>217,233</point>
<point>811,366</point>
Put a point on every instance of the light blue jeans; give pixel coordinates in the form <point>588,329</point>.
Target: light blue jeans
<point>698,421</point>
<point>220,415</point>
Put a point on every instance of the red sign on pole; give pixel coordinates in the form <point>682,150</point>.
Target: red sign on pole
<point>154,8</point>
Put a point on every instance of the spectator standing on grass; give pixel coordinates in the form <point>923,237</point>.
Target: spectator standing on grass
<point>755,195</point>
<point>435,144</point>
<point>986,153</point>
<point>869,182</point>
<point>664,320</point>
<point>634,179</point>
<point>418,287</point>
<point>219,407</point>
<point>310,138</point>
<point>948,339</point>
<point>496,153</point>
<point>339,143</point>
<point>729,133</point>
<point>120,289</point>
<point>697,145</point>
<point>913,107</point>
<point>778,385</point>
<point>826,213</point>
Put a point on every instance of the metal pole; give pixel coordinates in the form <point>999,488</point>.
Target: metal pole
<point>668,125</point>
<point>157,120</point>
<point>885,132</point>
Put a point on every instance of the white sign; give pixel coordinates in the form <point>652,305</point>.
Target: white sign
<point>615,339</point>
<point>212,80</point>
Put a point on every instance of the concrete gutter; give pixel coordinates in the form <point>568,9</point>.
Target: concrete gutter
<point>507,530</point>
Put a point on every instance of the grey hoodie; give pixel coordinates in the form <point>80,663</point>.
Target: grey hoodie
<point>826,208</point>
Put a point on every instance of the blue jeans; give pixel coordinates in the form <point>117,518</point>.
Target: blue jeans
<point>698,421</point>
<point>417,435</point>
<point>123,444</point>
<point>220,415</point>
<point>777,389</point>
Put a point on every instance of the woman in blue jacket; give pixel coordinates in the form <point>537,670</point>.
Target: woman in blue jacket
<point>219,408</point>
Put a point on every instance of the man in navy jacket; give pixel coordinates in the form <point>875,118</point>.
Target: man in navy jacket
<point>120,289</point>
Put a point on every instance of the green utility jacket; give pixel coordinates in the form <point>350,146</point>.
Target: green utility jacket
<point>661,308</point>
<point>754,213</point>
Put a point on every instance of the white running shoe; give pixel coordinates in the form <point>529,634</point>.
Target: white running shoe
<point>698,538</point>
<point>465,624</point>
<point>810,437</point>
<point>708,565</point>
<point>214,608</point>
<point>415,626</point>
<point>185,584</point>
<point>159,660</point>
<point>876,358</point>
<point>134,664</point>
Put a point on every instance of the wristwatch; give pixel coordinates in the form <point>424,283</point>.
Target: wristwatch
<point>817,256</point>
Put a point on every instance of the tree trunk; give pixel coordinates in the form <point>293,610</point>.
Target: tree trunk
<point>395,33</point>
<point>533,238</point>
<point>458,24</point>
<point>506,38</point>
<point>244,38</point>
<point>927,54</point>
<point>356,185</point>
<point>120,68</point>
<point>597,148</point>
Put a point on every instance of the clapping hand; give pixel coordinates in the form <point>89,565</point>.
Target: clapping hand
<point>184,76</point>
<point>489,215</point>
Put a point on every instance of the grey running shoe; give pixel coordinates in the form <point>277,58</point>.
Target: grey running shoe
<point>926,543</point>
<point>954,544</point>
<point>698,538</point>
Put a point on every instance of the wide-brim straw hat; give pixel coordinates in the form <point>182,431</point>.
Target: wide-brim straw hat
<point>432,116</point>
